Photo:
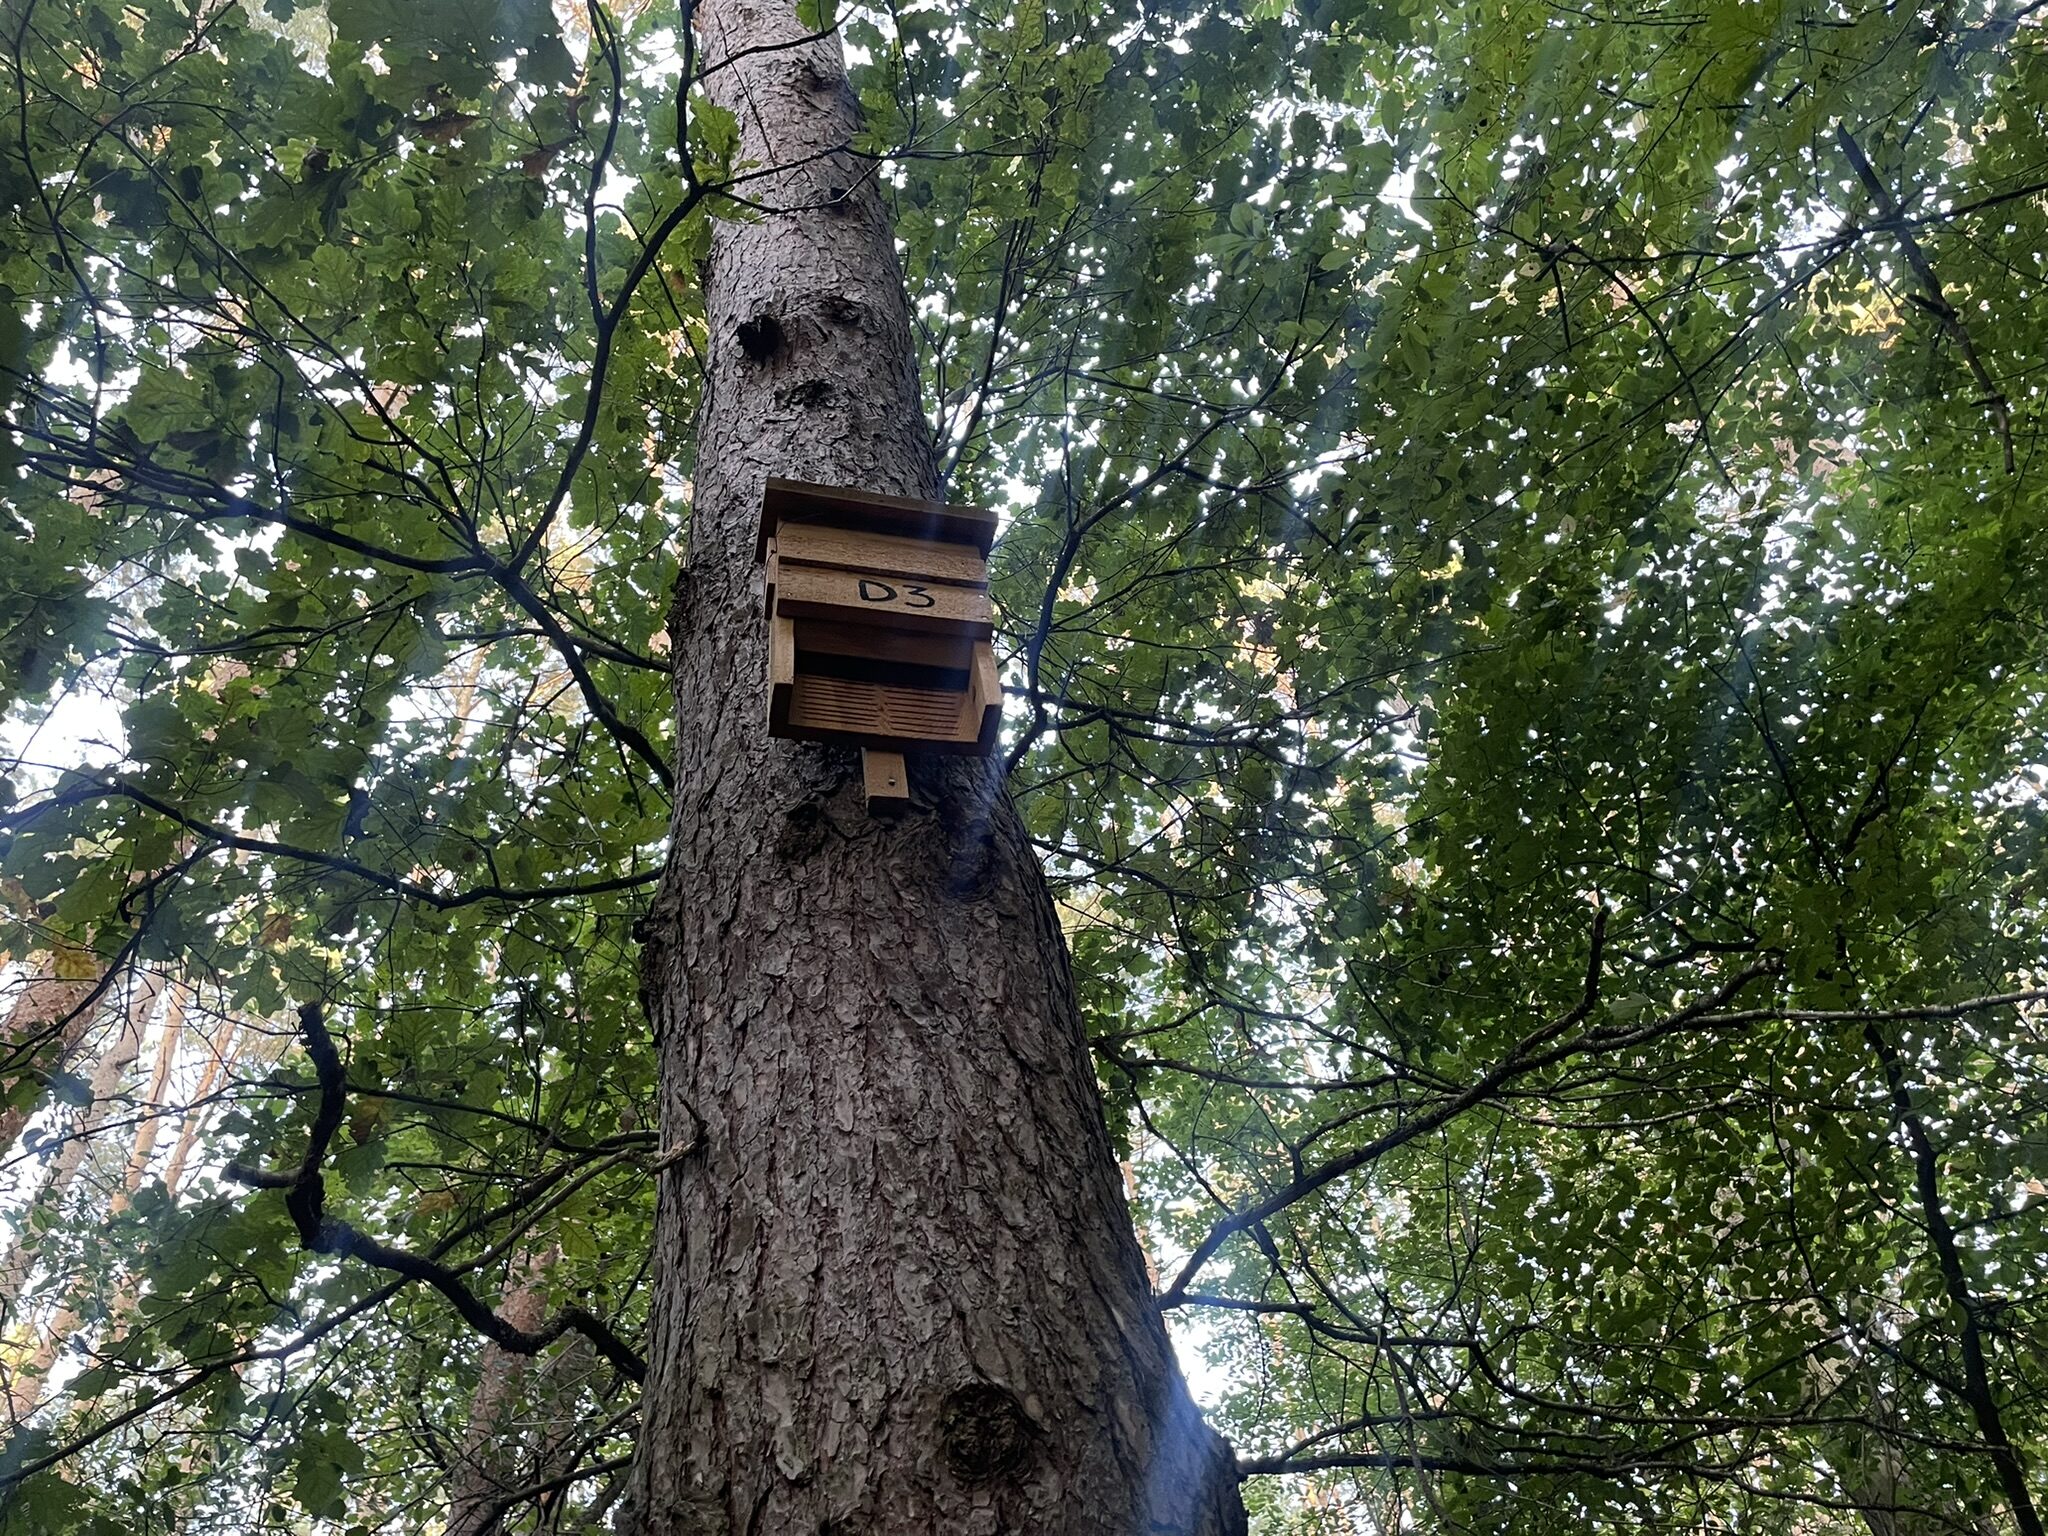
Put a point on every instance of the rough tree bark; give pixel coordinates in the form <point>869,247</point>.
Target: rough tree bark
<point>898,1286</point>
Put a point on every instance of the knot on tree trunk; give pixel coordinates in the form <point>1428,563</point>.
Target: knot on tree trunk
<point>843,309</point>
<point>805,393</point>
<point>984,1432</point>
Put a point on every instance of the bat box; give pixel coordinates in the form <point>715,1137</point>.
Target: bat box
<point>879,624</point>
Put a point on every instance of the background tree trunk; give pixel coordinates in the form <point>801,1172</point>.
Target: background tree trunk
<point>486,1466</point>
<point>898,1289</point>
<point>48,1018</point>
<point>27,1365</point>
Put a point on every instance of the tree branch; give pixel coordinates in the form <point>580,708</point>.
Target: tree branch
<point>100,785</point>
<point>1977,1391</point>
<point>305,1198</point>
<point>1517,1060</point>
<point>1935,301</point>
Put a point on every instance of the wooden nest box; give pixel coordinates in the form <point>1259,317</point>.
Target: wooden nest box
<point>879,625</point>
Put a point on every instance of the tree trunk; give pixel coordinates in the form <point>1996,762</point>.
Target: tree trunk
<point>24,1387</point>
<point>153,1109</point>
<point>486,1466</point>
<point>222,1051</point>
<point>23,1383</point>
<point>50,1016</point>
<point>1870,1464</point>
<point>898,1290</point>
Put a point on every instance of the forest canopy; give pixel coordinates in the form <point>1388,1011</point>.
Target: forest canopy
<point>1522,616</point>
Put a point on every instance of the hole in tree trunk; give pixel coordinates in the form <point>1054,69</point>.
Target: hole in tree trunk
<point>761,337</point>
<point>984,1432</point>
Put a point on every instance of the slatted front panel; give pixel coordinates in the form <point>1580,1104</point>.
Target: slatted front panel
<point>840,704</point>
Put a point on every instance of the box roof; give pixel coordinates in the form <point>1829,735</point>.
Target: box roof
<point>839,506</point>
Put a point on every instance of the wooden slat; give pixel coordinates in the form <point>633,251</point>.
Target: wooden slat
<point>826,637</point>
<point>804,592</point>
<point>882,554</point>
<point>838,506</point>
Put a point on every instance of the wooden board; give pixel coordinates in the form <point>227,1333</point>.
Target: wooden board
<point>824,637</point>
<point>805,592</point>
<point>885,779</point>
<point>880,554</point>
<point>866,669</point>
<point>839,506</point>
<point>781,672</point>
<point>985,699</point>
<point>890,561</point>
